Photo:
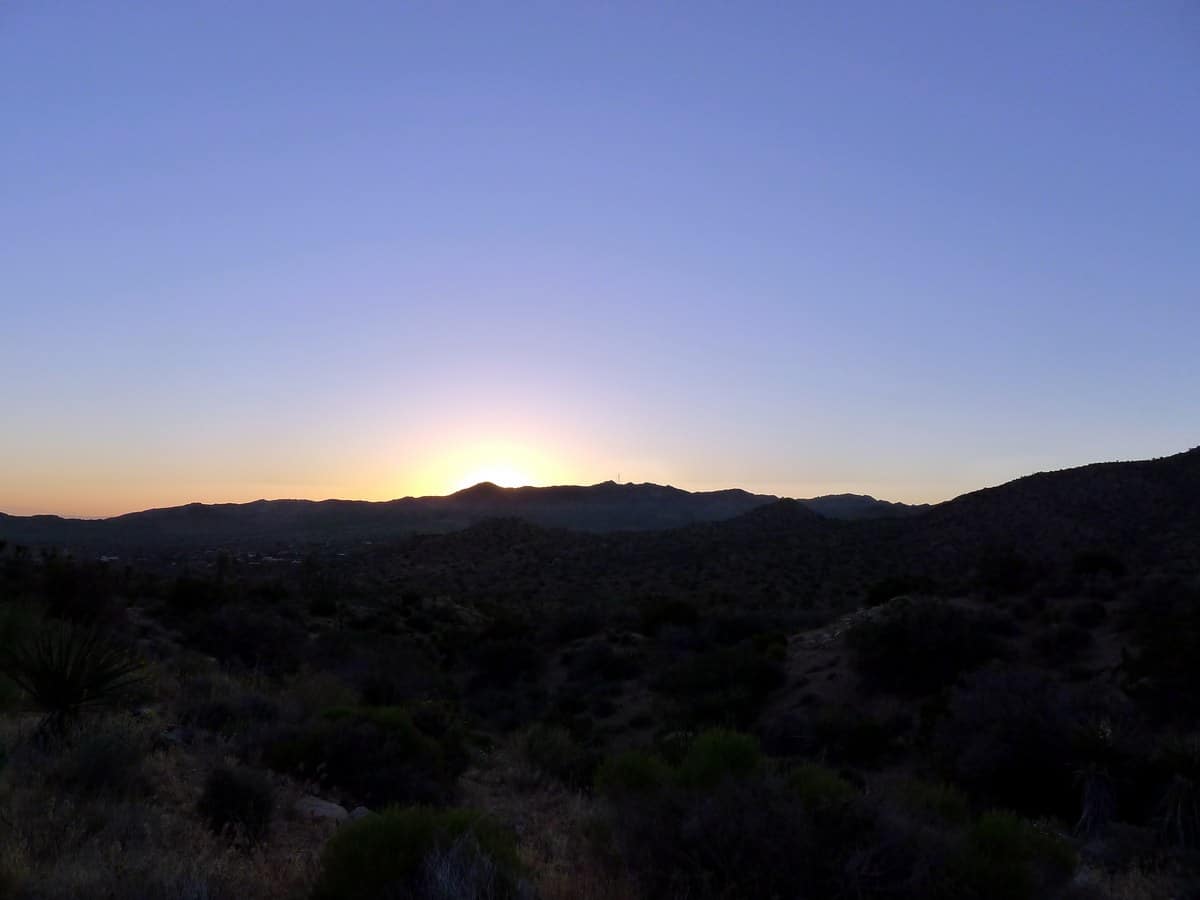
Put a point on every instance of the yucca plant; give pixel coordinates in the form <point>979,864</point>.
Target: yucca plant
<point>1179,820</point>
<point>66,668</point>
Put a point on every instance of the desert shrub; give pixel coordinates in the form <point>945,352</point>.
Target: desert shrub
<point>1005,571</point>
<point>553,750</point>
<point>378,754</point>
<point>845,735</point>
<point>106,761</point>
<point>600,662</point>
<point>190,594</point>
<point>577,622</point>
<point>1017,738</point>
<point>1007,858</point>
<point>324,605</point>
<point>65,668</point>
<point>659,612</point>
<point>413,852</point>
<point>934,801</point>
<point>753,838</point>
<point>237,803</point>
<point>79,592</point>
<point>223,706</point>
<point>897,586</point>
<point>632,772</point>
<point>919,646</point>
<point>1096,562</point>
<point>1088,615</point>
<point>1163,670</point>
<point>388,673</point>
<point>1062,644</point>
<point>252,639</point>
<point>722,687</point>
<point>720,754</point>
<point>819,786</point>
<point>505,651</point>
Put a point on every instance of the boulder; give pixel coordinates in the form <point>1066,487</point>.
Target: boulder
<point>314,808</point>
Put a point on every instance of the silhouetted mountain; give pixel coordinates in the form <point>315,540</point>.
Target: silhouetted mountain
<point>861,506</point>
<point>601,507</point>
<point>1122,506</point>
<point>1146,512</point>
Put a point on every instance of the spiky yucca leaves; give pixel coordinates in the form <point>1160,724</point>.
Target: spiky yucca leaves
<point>66,668</point>
<point>1179,822</point>
<point>1095,746</point>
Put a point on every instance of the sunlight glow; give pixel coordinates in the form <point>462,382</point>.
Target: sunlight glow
<point>504,462</point>
<point>497,473</point>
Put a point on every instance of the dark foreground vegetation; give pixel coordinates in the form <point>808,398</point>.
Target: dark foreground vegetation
<point>995,699</point>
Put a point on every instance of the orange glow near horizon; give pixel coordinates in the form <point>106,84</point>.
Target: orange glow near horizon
<point>503,462</point>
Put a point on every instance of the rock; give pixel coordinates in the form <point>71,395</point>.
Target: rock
<point>314,808</point>
<point>359,812</point>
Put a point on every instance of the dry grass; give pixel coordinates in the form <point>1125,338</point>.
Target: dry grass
<point>147,845</point>
<point>552,824</point>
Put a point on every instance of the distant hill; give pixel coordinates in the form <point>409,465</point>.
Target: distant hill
<point>1121,506</point>
<point>1145,513</point>
<point>601,507</point>
<point>861,506</point>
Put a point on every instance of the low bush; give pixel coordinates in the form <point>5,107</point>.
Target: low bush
<point>252,639</point>
<point>1008,738</point>
<point>107,761</point>
<point>1006,858</point>
<point>818,786</point>
<point>934,801</point>
<point>1062,644</point>
<point>420,852</point>
<point>727,686</point>
<point>717,755</point>
<point>554,751</point>
<point>378,754</point>
<point>917,647</point>
<point>632,772</point>
<point>237,804</point>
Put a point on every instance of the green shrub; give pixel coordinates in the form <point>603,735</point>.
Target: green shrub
<point>107,761</point>
<point>720,754</point>
<point>1095,562</point>
<point>553,750</point>
<point>722,687</point>
<point>934,800</point>
<point>919,646</point>
<point>405,852</point>
<point>818,786</point>
<point>632,772</point>
<point>377,753</point>
<point>1006,858</point>
<point>1062,644</point>
<point>237,803</point>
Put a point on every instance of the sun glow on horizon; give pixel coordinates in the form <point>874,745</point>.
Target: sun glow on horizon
<point>497,473</point>
<point>502,462</point>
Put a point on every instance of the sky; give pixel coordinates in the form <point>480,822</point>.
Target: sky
<point>376,249</point>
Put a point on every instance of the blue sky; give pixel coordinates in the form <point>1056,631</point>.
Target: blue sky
<point>374,249</point>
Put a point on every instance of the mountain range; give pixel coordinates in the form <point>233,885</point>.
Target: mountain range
<point>1118,505</point>
<point>603,507</point>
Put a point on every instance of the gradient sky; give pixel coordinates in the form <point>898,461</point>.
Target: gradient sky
<point>360,249</point>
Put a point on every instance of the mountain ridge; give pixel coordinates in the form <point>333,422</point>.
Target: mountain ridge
<point>603,507</point>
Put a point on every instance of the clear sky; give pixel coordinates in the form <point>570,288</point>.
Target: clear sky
<point>371,249</point>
